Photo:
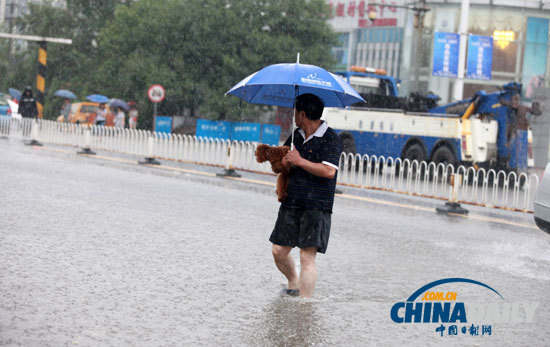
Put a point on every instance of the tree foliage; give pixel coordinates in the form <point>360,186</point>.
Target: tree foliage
<point>197,49</point>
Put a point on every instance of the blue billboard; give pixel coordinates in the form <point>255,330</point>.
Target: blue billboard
<point>163,124</point>
<point>213,129</point>
<point>270,134</point>
<point>253,132</point>
<point>480,57</point>
<point>245,132</point>
<point>445,57</point>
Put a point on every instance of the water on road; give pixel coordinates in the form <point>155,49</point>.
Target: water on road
<point>97,253</point>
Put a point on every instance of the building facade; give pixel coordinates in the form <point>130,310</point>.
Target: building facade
<point>393,41</point>
<point>519,30</point>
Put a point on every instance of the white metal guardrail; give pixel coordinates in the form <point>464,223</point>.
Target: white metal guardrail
<point>480,187</point>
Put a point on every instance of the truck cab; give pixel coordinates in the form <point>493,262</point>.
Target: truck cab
<point>381,91</point>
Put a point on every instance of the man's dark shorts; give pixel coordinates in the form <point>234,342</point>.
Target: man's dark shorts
<point>303,228</point>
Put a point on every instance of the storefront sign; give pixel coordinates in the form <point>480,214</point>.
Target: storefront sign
<point>353,14</point>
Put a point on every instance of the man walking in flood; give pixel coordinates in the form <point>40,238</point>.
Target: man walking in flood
<point>305,215</point>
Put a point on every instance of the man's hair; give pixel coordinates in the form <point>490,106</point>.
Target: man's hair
<point>311,105</point>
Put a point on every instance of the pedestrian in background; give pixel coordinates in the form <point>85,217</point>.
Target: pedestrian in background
<point>66,110</point>
<point>101,115</point>
<point>305,215</point>
<point>119,118</point>
<point>28,109</point>
<point>27,104</point>
<point>132,115</point>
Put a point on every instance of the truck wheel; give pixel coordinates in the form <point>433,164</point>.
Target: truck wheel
<point>348,143</point>
<point>413,152</point>
<point>444,155</point>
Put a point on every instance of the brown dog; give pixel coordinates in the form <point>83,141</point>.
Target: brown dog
<point>275,157</point>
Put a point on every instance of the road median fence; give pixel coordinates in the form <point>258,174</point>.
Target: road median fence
<point>481,187</point>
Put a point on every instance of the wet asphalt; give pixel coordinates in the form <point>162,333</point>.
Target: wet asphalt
<point>104,253</point>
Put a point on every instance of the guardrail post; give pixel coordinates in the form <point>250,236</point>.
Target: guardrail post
<point>452,206</point>
<point>86,149</point>
<point>149,159</point>
<point>34,135</point>
<point>228,170</point>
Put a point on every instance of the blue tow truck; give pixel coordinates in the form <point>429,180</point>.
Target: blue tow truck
<point>477,131</point>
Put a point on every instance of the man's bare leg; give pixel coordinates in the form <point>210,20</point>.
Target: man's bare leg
<point>285,264</point>
<point>308,273</point>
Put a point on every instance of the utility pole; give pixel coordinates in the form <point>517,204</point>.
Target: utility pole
<point>11,26</point>
<point>420,8</point>
<point>458,89</point>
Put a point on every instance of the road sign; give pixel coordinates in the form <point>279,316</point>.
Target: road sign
<point>480,57</point>
<point>156,93</point>
<point>445,61</point>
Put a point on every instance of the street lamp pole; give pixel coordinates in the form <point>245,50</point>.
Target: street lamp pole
<point>420,13</point>
<point>458,88</point>
<point>420,8</point>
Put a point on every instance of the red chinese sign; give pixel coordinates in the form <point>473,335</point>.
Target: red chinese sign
<point>361,9</point>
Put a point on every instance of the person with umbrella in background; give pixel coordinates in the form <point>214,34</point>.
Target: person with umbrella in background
<point>66,110</point>
<point>67,95</point>
<point>119,118</point>
<point>101,115</point>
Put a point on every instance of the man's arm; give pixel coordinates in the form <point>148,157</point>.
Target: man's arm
<point>317,169</point>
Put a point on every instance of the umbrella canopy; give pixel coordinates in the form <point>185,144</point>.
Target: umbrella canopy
<point>64,93</point>
<point>16,94</point>
<point>279,84</point>
<point>114,103</point>
<point>102,99</point>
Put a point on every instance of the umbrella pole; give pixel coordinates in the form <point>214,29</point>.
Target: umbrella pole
<point>294,115</point>
<point>294,107</point>
<point>293,120</point>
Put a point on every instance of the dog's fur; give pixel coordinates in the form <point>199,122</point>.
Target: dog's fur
<point>275,157</point>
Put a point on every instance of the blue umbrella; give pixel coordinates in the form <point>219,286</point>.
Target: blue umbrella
<point>16,94</point>
<point>279,84</point>
<point>64,93</point>
<point>114,103</point>
<point>101,99</point>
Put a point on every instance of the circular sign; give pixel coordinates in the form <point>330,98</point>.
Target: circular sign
<point>156,93</point>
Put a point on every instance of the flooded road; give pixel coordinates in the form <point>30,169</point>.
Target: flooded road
<point>97,253</point>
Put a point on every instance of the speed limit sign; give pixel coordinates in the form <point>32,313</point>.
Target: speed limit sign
<point>156,93</point>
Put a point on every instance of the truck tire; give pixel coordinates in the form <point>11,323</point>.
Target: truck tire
<point>348,143</point>
<point>444,155</point>
<point>414,151</point>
